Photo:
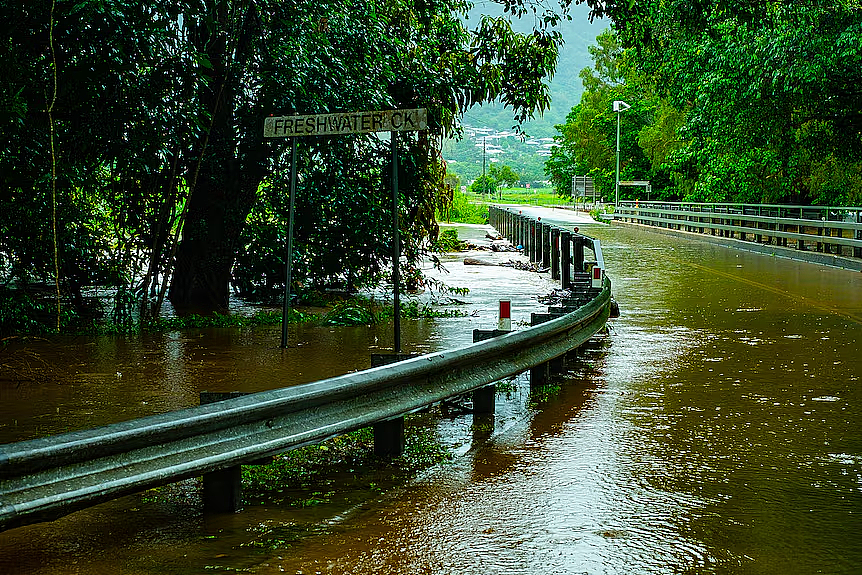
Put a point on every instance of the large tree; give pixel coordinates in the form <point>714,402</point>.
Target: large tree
<point>587,141</point>
<point>753,101</point>
<point>142,124</point>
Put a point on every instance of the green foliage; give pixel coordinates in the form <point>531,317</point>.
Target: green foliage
<point>165,186</point>
<point>484,185</point>
<point>364,311</point>
<point>299,477</point>
<point>415,310</point>
<point>448,242</point>
<point>353,312</point>
<point>752,102</point>
<point>262,317</point>
<point>504,175</point>
<point>587,144</point>
<point>463,211</point>
<point>34,312</point>
<point>543,394</point>
<point>599,214</point>
<point>452,181</point>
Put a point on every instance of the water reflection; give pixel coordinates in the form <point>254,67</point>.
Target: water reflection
<point>716,430</point>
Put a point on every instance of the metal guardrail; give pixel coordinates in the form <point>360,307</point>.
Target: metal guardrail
<point>825,229</point>
<point>559,249</point>
<point>46,478</point>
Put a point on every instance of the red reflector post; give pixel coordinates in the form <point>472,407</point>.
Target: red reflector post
<point>505,321</point>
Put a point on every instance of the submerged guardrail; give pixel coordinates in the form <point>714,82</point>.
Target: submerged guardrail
<point>559,249</point>
<point>46,478</point>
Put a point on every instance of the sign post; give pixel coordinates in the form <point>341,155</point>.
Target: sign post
<point>289,267</point>
<point>341,123</point>
<point>396,249</point>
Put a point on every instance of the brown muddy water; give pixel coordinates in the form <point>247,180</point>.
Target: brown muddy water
<point>716,430</point>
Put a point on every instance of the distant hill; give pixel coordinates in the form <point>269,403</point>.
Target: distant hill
<point>465,156</point>
<point>566,87</point>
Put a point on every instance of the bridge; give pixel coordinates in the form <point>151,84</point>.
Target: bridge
<point>47,478</point>
<point>825,235</point>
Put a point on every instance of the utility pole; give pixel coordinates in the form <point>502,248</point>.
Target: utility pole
<point>484,182</point>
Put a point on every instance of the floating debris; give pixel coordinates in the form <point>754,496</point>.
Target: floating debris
<point>503,247</point>
<point>523,266</point>
<point>556,297</point>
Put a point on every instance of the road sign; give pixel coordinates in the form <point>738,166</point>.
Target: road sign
<point>346,123</point>
<point>634,183</point>
<point>620,106</point>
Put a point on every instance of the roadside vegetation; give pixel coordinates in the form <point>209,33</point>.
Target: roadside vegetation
<point>308,476</point>
<point>134,170</point>
<point>751,102</point>
<point>472,207</point>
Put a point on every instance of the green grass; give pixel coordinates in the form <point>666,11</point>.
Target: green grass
<point>305,477</point>
<point>533,196</point>
<point>448,242</point>
<point>465,209</point>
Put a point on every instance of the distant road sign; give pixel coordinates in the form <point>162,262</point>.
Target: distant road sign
<point>634,183</point>
<point>346,123</point>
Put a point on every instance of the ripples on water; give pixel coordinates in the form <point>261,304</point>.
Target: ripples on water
<point>717,430</point>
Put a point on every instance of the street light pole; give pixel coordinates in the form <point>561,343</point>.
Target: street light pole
<point>619,107</point>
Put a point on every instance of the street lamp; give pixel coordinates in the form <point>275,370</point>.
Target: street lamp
<point>619,108</point>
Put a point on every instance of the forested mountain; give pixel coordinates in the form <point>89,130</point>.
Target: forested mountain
<point>565,87</point>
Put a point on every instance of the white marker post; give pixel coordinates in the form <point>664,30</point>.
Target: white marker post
<point>598,269</point>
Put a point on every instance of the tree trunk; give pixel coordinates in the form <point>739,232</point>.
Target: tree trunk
<point>201,279</point>
<point>226,181</point>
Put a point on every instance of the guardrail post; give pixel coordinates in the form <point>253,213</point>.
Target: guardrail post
<point>222,488</point>
<point>539,375</point>
<point>557,365</point>
<point>484,399</point>
<point>534,236</point>
<point>578,256</point>
<point>546,245</point>
<point>389,437</point>
<point>389,434</point>
<point>524,228</point>
<point>566,259</point>
<point>537,240</point>
<point>555,253</point>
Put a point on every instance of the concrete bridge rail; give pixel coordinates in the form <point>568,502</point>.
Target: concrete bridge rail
<point>44,479</point>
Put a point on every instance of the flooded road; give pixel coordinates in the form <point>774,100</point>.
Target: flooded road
<point>717,430</point>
